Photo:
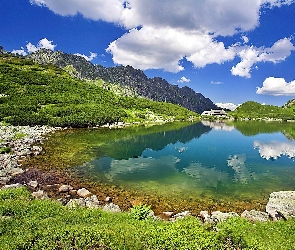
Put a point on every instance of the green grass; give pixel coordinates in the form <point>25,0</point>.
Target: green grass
<point>26,223</point>
<point>33,94</point>
<point>254,110</point>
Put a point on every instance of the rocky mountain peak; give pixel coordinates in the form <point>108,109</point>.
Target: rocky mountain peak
<point>157,88</point>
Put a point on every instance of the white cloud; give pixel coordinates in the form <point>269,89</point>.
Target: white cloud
<point>252,55</point>
<point>172,30</point>
<point>229,105</point>
<point>109,11</point>
<point>245,39</point>
<point>183,80</point>
<point>21,52</point>
<point>277,86</point>
<point>88,58</point>
<point>217,82</point>
<point>163,48</point>
<point>42,44</point>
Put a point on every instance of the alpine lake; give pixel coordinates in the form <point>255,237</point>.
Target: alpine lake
<point>179,166</point>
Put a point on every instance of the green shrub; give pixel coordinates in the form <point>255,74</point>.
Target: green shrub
<point>140,212</point>
<point>5,150</point>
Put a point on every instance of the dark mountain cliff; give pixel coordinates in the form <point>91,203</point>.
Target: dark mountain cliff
<point>157,89</point>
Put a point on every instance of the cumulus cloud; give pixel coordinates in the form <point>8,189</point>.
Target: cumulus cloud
<point>21,52</point>
<point>163,48</point>
<point>252,55</point>
<point>88,58</point>
<point>229,105</point>
<point>162,33</point>
<point>43,43</point>
<point>277,86</point>
<point>109,11</point>
<point>183,80</point>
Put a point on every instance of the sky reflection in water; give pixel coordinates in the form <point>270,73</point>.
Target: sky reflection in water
<point>208,159</point>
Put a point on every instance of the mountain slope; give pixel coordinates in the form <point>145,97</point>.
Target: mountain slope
<point>157,89</point>
<point>32,94</point>
<point>255,110</point>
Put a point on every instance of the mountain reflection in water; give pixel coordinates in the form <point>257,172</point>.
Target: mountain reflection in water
<point>207,158</point>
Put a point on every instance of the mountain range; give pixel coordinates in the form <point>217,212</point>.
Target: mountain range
<point>156,89</point>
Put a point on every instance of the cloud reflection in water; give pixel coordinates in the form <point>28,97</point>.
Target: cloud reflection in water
<point>238,164</point>
<point>275,149</point>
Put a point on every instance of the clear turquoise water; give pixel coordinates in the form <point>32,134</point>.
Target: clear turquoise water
<point>203,160</point>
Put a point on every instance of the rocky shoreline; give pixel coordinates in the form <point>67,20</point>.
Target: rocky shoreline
<point>19,142</point>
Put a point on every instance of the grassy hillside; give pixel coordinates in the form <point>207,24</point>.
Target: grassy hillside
<point>32,94</point>
<point>26,223</point>
<point>254,110</point>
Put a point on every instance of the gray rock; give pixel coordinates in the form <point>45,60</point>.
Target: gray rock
<point>73,203</point>
<point>92,202</point>
<point>4,180</point>
<point>33,184</point>
<point>15,171</point>
<point>281,205</point>
<point>40,195</point>
<point>168,214</point>
<point>218,216</point>
<point>83,192</point>
<point>65,188</point>
<point>254,215</point>
<point>205,216</point>
<point>111,208</point>
<point>108,199</point>
<point>182,215</point>
<point>12,186</point>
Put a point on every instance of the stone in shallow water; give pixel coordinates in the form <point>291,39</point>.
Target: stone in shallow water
<point>281,205</point>
<point>254,215</point>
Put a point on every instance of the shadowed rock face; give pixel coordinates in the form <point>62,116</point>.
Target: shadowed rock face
<point>156,89</point>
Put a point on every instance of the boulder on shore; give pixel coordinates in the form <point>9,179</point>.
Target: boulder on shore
<point>254,215</point>
<point>281,205</point>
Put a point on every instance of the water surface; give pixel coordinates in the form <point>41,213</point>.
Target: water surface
<point>196,162</point>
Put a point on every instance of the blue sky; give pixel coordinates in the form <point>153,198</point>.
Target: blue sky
<point>230,51</point>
